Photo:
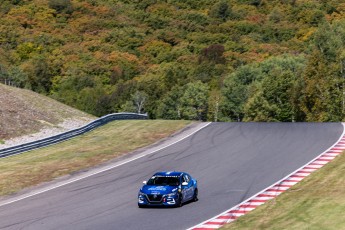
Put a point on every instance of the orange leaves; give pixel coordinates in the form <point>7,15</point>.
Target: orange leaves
<point>257,18</point>
<point>23,15</point>
<point>116,56</point>
<point>162,9</point>
<point>31,15</point>
<point>338,14</point>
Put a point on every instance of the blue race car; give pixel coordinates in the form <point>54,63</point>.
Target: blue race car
<point>168,189</point>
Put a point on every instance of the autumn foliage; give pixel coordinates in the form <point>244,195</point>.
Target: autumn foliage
<point>224,60</point>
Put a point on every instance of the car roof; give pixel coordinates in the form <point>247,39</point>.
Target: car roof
<point>169,173</point>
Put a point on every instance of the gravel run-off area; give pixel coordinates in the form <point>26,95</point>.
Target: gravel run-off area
<point>67,125</point>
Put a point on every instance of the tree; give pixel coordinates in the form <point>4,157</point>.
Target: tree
<point>139,99</point>
<point>323,91</point>
<point>39,75</point>
<point>214,101</point>
<point>235,94</point>
<point>128,106</point>
<point>122,94</point>
<point>220,10</point>
<point>273,99</point>
<point>328,40</point>
<point>213,53</point>
<point>3,72</point>
<point>156,51</point>
<point>61,6</point>
<point>194,101</point>
<point>275,83</point>
<point>103,105</point>
<point>136,104</point>
<point>236,91</point>
<point>18,76</point>
<point>275,15</point>
<point>68,48</point>
<point>170,105</point>
<point>259,109</point>
<point>281,86</point>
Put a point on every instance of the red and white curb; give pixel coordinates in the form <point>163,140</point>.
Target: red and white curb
<point>274,190</point>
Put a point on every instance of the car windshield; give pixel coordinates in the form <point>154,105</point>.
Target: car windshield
<point>162,180</point>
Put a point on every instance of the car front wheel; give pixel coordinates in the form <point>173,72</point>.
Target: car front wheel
<point>195,196</point>
<point>179,201</point>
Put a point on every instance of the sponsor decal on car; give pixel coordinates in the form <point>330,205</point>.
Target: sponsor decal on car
<point>158,188</point>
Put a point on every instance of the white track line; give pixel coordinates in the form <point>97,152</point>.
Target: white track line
<point>268,193</point>
<point>92,173</point>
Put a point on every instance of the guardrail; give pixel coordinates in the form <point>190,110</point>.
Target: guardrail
<point>69,134</point>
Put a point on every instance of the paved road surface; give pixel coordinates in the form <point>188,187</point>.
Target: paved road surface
<point>232,161</point>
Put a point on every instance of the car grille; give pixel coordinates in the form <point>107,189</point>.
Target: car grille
<point>155,198</point>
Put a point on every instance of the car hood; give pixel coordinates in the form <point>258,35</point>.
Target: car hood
<point>159,190</point>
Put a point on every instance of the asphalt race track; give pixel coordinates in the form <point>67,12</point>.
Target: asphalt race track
<point>232,162</point>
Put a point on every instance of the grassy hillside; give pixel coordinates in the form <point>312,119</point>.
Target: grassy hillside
<point>252,60</point>
<point>91,149</point>
<point>24,112</point>
<point>318,202</point>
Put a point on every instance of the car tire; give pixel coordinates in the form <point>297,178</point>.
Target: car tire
<point>141,206</point>
<point>179,201</point>
<point>195,196</point>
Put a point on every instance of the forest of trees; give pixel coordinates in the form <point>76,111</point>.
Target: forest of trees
<point>216,60</point>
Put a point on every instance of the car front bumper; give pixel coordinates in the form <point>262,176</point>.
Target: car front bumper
<point>160,200</point>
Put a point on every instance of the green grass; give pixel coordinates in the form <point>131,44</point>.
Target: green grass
<point>91,149</point>
<point>317,202</point>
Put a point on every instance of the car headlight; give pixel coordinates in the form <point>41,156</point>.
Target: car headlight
<point>171,194</point>
<point>141,194</point>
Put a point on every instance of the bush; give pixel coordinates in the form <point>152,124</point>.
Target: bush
<point>61,6</point>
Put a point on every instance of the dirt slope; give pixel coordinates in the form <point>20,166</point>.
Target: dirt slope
<point>23,112</point>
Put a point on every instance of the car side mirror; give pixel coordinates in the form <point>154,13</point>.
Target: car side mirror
<point>144,182</point>
<point>184,183</point>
